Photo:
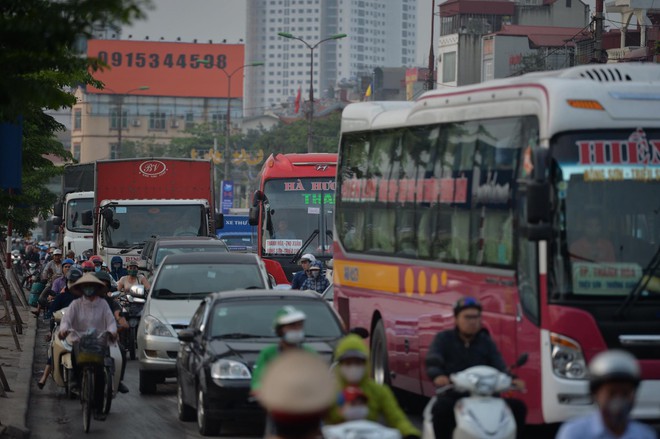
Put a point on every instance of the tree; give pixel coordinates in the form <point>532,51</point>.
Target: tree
<point>39,68</point>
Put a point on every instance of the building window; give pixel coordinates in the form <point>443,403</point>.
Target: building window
<point>219,121</point>
<point>114,119</point>
<point>190,120</point>
<point>449,67</point>
<point>157,121</point>
<point>75,151</point>
<point>77,119</point>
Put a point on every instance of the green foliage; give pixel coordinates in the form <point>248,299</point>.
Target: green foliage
<point>40,65</point>
<point>288,138</point>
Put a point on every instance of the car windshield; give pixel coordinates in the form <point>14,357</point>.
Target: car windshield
<point>187,248</point>
<point>236,319</point>
<point>178,281</point>
<point>607,184</point>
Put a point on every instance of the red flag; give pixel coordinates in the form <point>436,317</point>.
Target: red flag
<point>297,108</point>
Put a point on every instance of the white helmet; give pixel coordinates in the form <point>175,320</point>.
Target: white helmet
<point>613,365</point>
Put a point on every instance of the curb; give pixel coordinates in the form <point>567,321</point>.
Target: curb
<point>17,427</point>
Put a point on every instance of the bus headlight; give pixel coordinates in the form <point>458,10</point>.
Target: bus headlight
<point>567,358</point>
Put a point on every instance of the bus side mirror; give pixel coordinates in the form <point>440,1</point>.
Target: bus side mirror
<point>253,216</point>
<point>58,209</point>
<point>87,218</point>
<point>257,198</point>
<point>57,221</point>
<point>538,202</point>
<point>219,220</point>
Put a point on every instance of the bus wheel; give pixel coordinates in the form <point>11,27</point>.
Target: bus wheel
<point>379,365</point>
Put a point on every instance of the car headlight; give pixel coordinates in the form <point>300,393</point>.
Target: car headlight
<point>567,357</point>
<point>230,370</point>
<point>153,326</point>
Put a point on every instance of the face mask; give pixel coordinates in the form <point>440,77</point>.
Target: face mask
<point>294,337</point>
<point>89,291</point>
<point>618,410</point>
<point>97,268</point>
<point>352,374</point>
<point>116,266</point>
<point>355,412</point>
<point>132,272</point>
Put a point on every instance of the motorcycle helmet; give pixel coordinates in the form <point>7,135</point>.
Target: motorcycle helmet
<point>68,261</point>
<point>104,277</point>
<point>96,259</point>
<point>88,266</point>
<point>287,315</point>
<point>466,303</point>
<point>74,275</point>
<point>613,365</point>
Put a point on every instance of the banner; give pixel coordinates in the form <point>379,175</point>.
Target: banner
<point>227,195</point>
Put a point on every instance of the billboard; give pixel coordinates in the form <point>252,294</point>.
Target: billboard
<point>168,69</point>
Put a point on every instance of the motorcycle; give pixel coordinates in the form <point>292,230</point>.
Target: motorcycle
<point>482,414</point>
<point>17,262</point>
<point>362,429</point>
<point>132,305</point>
<point>62,371</point>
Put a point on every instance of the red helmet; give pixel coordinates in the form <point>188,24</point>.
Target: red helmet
<point>88,266</point>
<point>96,259</point>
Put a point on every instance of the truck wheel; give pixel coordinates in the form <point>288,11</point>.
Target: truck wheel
<point>147,382</point>
<point>379,363</point>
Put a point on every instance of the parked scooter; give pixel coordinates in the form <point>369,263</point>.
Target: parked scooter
<point>60,351</point>
<point>362,429</point>
<point>132,305</point>
<point>483,414</point>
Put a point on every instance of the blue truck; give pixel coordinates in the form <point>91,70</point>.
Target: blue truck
<point>238,234</point>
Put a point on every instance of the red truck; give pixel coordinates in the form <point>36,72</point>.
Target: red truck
<point>138,198</point>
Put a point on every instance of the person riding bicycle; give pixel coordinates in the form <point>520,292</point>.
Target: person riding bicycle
<point>614,377</point>
<point>455,350</point>
<point>90,312</point>
<point>288,324</point>
<point>352,356</point>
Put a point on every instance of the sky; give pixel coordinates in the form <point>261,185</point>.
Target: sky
<point>217,20</point>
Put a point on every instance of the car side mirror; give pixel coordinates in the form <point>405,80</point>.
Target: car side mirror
<point>187,335</point>
<point>521,360</point>
<point>271,281</point>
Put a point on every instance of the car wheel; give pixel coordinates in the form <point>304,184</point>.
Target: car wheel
<point>147,383</point>
<point>379,365</point>
<point>207,426</point>
<point>186,413</point>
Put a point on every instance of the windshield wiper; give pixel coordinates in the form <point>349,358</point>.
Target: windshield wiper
<point>236,335</point>
<point>302,248</point>
<point>641,284</point>
<point>133,247</point>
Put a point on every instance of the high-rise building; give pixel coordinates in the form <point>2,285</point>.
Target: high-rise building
<point>380,33</point>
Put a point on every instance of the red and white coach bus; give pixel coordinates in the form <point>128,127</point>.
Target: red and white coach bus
<point>538,195</point>
<point>293,208</point>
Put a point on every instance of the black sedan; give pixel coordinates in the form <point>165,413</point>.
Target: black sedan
<point>220,346</point>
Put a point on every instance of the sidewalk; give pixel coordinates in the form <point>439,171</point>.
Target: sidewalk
<point>17,366</point>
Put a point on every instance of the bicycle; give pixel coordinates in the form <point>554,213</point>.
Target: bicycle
<point>95,364</point>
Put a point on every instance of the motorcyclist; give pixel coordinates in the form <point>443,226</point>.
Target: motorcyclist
<point>117,270</point>
<point>58,284</point>
<point>133,277</point>
<point>90,312</point>
<point>122,324</point>
<point>454,350</point>
<point>352,356</point>
<point>300,277</point>
<point>61,301</point>
<point>97,261</point>
<point>88,267</point>
<point>297,391</point>
<point>613,380</point>
<point>288,325</point>
<point>316,281</point>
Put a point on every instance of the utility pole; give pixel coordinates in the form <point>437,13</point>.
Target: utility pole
<point>430,79</point>
<point>598,32</point>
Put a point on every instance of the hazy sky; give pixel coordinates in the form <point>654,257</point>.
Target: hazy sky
<point>225,19</point>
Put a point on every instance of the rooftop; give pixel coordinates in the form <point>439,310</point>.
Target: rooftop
<point>544,36</point>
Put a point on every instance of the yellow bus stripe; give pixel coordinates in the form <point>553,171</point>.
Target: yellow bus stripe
<point>378,277</point>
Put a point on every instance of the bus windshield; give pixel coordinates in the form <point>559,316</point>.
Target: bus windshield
<point>607,185</point>
<point>74,211</point>
<point>134,224</point>
<point>300,208</point>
